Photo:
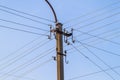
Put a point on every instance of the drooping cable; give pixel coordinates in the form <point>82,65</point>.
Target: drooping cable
<point>93,62</point>
<point>93,73</point>
<point>21,30</point>
<point>25,13</point>
<point>108,52</point>
<point>23,25</point>
<point>98,37</point>
<point>34,68</point>
<point>86,25</point>
<point>19,57</point>
<point>100,59</point>
<point>117,2</point>
<point>28,63</point>
<point>24,17</point>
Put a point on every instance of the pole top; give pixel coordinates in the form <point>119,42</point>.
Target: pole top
<point>59,24</point>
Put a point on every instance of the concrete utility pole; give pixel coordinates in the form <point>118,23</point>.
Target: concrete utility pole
<point>59,46</point>
<point>59,49</point>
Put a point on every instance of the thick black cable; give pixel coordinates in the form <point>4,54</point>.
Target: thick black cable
<point>93,73</point>
<point>100,59</point>
<point>24,17</point>
<point>22,30</point>
<point>23,25</point>
<point>93,62</point>
<point>26,13</point>
<point>92,12</point>
<point>51,7</point>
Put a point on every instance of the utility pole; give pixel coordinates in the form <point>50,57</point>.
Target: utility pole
<point>59,46</point>
<point>59,50</point>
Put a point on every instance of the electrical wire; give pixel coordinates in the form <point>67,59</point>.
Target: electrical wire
<point>93,41</point>
<point>100,27</point>
<point>25,13</point>
<point>93,62</point>
<point>33,60</point>
<point>19,57</point>
<point>99,37</point>
<point>17,76</point>
<point>113,30</point>
<point>15,52</point>
<point>117,2</point>
<point>98,20</point>
<point>98,42</point>
<point>93,73</point>
<point>93,17</point>
<point>83,26</point>
<point>28,63</point>
<point>36,67</point>
<point>100,49</point>
<point>23,25</point>
<point>22,30</point>
<point>24,17</point>
<point>100,59</point>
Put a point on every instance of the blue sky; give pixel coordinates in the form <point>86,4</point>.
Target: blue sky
<point>28,55</point>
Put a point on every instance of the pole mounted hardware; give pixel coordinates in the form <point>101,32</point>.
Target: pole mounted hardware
<point>59,33</point>
<point>65,52</point>
<point>66,34</point>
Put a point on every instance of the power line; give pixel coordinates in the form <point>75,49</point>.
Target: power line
<point>100,49</point>
<point>22,30</point>
<point>99,37</point>
<point>36,67</point>
<point>92,12</point>
<point>100,27</point>
<point>93,73</point>
<point>23,25</point>
<point>24,17</point>
<point>103,34</point>
<point>98,42</point>
<point>6,57</point>
<point>83,26</point>
<point>17,76</point>
<point>93,62</point>
<point>100,59</point>
<point>26,13</point>
<point>15,59</point>
<point>93,17</point>
<point>100,20</point>
<point>30,62</point>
